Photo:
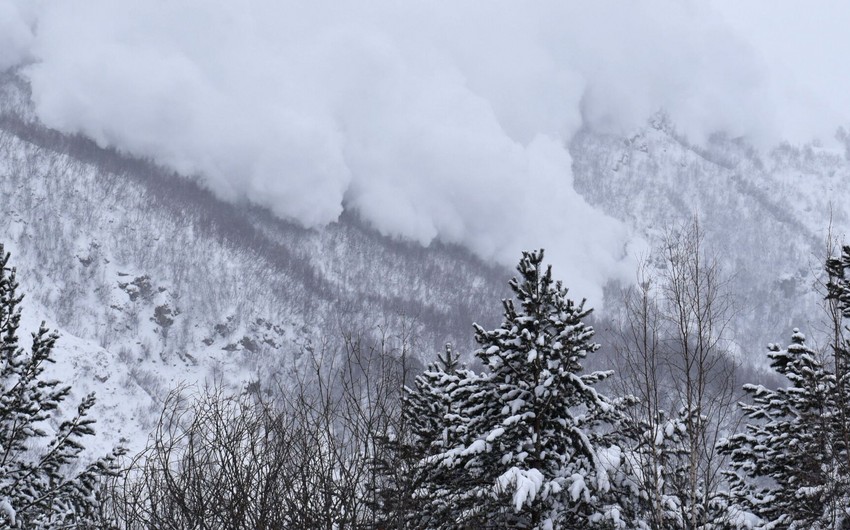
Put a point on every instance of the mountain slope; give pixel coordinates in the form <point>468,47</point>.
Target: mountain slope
<point>765,216</point>
<point>154,282</point>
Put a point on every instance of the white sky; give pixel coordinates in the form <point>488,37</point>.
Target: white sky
<point>803,49</point>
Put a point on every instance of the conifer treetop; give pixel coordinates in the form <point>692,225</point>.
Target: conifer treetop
<point>40,485</point>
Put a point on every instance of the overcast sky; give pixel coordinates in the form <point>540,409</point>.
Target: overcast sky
<point>433,119</point>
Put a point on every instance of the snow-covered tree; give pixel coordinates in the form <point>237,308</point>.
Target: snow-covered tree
<point>839,284</point>
<point>785,466</point>
<point>41,483</point>
<point>412,494</point>
<point>791,465</point>
<point>654,456</point>
<point>531,452</point>
<point>838,295</point>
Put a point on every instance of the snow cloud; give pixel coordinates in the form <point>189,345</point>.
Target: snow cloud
<point>16,31</point>
<point>432,119</point>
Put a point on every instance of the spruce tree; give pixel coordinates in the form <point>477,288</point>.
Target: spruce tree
<point>838,294</point>
<point>40,484</point>
<point>783,466</point>
<point>531,452</point>
<point>654,462</point>
<point>414,494</point>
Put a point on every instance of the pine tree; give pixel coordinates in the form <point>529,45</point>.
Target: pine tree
<point>783,465</point>
<point>412,494</point>
<point>791,465</point>
<point>654,459</point>
<point>531,453</point>
<point>838,294</point>
<point>38,485</point>
<point>839,284</point>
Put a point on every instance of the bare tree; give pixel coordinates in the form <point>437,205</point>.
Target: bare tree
<point>641,361</point>
<point>214,461</point>
<point>290,454</point>
<point>675,358</point>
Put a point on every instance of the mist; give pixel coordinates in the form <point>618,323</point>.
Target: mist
<point>432,120</point>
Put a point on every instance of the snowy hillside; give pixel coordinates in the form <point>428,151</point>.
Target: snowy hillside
<point>153,282</point>
<point>765,215</point>
<point>255,224</point>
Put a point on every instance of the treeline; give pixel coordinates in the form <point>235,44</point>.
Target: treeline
<point>528,439</point>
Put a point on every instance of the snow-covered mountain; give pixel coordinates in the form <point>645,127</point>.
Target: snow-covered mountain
<point>152,281</point>
<point>766,216</point>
